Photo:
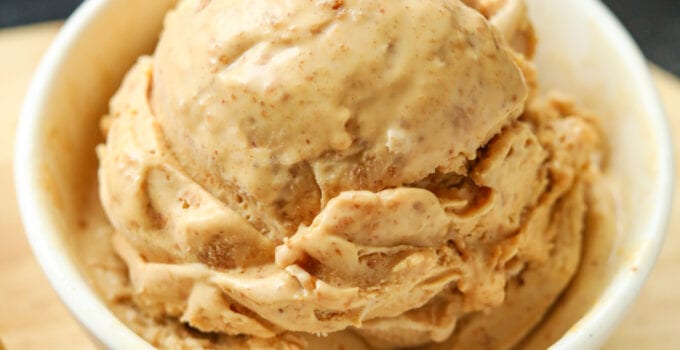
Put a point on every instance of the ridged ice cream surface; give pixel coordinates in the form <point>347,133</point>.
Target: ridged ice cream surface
<point>279,170</point>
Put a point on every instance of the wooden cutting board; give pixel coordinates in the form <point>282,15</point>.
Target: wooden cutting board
<point>32,317</point>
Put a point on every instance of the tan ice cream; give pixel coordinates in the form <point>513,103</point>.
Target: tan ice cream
<point>372,170</point>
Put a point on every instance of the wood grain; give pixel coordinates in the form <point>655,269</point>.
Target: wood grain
<point>32,317</point>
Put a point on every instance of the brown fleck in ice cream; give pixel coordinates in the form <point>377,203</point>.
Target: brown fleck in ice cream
<point>367,173</point>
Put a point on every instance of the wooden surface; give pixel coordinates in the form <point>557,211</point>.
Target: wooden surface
<point>32,317</point>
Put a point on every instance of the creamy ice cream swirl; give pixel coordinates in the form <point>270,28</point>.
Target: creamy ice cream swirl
<point>309,166</point>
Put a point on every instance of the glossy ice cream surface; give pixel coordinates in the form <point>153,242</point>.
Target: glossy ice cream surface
<point>379,171</point>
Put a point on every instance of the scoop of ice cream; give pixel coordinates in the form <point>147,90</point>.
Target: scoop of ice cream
<point>277,107</point>
<point>310,166</point>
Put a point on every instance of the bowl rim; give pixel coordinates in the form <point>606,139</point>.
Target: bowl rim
<point>593,329</point>
<point>92,313</point>
<point>60,269</point>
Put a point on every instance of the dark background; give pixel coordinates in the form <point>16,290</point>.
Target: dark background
<point>655,24</point>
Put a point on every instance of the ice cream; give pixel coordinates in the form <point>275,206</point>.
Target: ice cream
<point>381,172</point>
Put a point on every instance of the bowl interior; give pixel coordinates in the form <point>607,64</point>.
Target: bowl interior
<point>582,51</point>
<point>585,52</point>
<point>55,162</point>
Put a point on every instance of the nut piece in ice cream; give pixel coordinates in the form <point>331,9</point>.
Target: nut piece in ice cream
<point>283,169</point>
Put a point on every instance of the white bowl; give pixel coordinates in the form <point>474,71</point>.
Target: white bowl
<point>583,51</point>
